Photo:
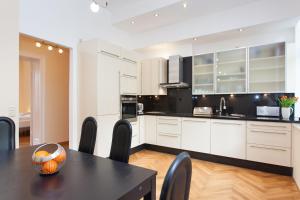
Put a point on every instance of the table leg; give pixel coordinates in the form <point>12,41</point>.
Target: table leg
<point>152,194</point>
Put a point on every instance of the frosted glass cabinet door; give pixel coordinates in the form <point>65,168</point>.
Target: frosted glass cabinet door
<point>231,71</point>
<point>203,74</point>
<point>267,68</point>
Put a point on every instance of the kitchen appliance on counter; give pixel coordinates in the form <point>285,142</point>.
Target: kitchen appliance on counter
<point>140,108</point>
<point>129,107</point>
<point>267,111</point>
<point>203,111</point>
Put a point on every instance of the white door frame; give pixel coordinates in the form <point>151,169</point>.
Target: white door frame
<point>37,97</point>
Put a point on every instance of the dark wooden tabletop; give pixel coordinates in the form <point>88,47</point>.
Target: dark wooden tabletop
<point>83,177</point>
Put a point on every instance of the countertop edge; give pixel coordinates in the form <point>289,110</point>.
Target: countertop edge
<point>251,118</point>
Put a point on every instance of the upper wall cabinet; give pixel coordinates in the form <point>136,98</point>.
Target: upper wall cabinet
<point>231,71</point>
<point>267,68</point>
<point>259,69</point>
<point>154,72</point>
<point>203,74</point>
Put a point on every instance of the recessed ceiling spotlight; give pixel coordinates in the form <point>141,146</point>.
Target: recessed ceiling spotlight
<point>184,4</point>
<point>195,39</point>
<point>94,7</point>
<point>156,15</point>
<point>241,30</point>
<point>38,44</point>
<point>60,51</point>
<point>50,48</point>
<point>132,22</point>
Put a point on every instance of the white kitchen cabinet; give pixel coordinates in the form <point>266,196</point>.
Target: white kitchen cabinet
<point>269,154</point>
<point>135,134</point>
<point>268,133</point>
<point>296,153</point>
<point>231,71</point>
<point>228,138</point>
<point>99,80</point>
<point>104,134</point>
<point>129,85</point>
<point>269,142</point>
<point>150,129</point>
<point>108,81</point>
<point>267,68</point>
<point>169,132</point>
<point>196,135</point>
<point>141,120</point>
<point>153,73</point>
<point>203,74</point>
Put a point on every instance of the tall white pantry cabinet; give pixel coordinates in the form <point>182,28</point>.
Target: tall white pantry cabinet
<point>101,68</point>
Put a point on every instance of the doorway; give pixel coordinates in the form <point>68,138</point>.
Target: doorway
<point>44,92</point>
<point>30,101</point>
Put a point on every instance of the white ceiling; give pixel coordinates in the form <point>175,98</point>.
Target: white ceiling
<point>282,29</point>
<point>170,12</point>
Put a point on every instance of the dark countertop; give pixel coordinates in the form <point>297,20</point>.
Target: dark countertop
<point>227,117</point>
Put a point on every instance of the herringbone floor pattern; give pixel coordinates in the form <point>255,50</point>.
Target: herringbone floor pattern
<point>222,182</point>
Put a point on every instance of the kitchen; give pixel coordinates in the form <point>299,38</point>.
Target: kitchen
<point>220,107</point>
<point>211,84</point>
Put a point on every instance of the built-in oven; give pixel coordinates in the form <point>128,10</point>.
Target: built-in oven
<point>129,107</point>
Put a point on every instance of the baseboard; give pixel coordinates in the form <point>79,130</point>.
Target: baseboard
<point>137,149</point>
<point>275,169</point>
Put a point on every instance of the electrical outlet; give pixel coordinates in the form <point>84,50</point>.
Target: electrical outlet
<point>12,111</point>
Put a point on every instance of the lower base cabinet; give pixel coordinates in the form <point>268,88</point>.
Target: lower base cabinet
<point>296,153</point>
<point>135,134</point>
<point>228,138</point>
<point>269,154</point>
<point>196,135</point>
<point>169,132</point>
<point>150,129</point>
<point>106,125</point>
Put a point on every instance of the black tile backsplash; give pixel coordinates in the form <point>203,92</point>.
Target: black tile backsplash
<point>182,100</point>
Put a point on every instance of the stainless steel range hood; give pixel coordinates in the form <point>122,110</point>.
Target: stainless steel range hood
<point>175,75</point>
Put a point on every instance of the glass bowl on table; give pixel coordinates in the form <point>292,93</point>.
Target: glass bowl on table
<point>48,159</point>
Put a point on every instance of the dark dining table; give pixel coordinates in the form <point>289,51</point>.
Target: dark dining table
<point>84,177</point>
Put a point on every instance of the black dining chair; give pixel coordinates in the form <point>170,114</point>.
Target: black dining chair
<point>7,134</point>
<point>121,141</point>
<point>88,135</point>
<point>177,182</point>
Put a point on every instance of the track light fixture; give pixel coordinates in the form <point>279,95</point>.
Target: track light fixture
<point>96,4</point>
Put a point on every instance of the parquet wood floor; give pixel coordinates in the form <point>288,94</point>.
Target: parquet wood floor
<point>222,182</point>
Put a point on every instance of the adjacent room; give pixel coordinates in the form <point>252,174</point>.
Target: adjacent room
<point>150,99</point>
<point>43,92</point>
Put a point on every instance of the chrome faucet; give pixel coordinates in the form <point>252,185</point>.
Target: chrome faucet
<point>222,107</point>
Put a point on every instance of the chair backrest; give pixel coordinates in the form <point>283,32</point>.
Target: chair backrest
<point>121,141</point>
<point>88,136</point>
<point>7,134</point>
<point>177,182</point>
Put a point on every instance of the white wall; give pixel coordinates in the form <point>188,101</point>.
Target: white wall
<point>66,23</point>
<point>9,60</point>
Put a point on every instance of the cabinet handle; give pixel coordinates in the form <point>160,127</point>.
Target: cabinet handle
<point>268,148</point>
<point>195,121</point>
<point>109,54</point>
<point>128,76</point>
<point>129,60</point>
<point>167,134</point>
<point>223,123</point>
<point>168,123</point>
<point>259,131</point>
<point>272,126</point>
